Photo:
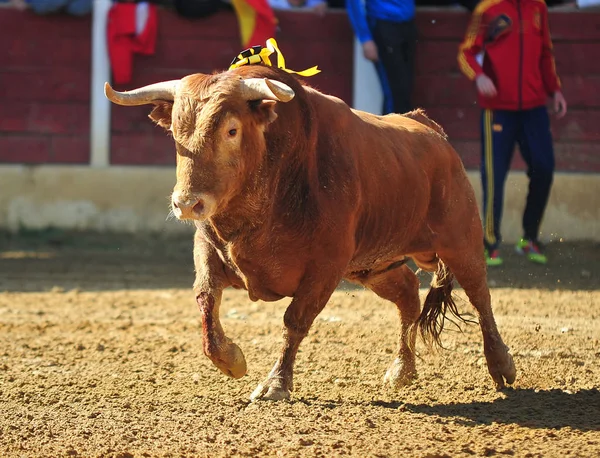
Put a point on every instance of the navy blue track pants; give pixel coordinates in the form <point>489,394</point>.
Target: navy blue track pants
<point>396,43</point>
<point>500,131</point>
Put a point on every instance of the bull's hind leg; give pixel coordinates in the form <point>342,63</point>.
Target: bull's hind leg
<point>468,266</point>
<point>401,286</point>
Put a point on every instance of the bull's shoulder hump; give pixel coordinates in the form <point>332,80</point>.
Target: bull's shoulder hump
<point>319,98</point>
<point>330,110</point>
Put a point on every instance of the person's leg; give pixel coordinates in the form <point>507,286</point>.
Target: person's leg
<point>537,150</point>
<point>498,137</point>
<point>79,7</point>
<point>396,43</point>
<point>46,6</point>
<point>388,104</point>
<point>403,92</point>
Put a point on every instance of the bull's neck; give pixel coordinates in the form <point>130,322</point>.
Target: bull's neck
<point>292,164</point>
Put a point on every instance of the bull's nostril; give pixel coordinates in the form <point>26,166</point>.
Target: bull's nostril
<point>198,207</point>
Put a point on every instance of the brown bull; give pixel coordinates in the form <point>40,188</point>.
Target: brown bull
<point>292,191</point>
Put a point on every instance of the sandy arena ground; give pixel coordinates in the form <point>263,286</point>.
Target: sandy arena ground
<point>100,356</point>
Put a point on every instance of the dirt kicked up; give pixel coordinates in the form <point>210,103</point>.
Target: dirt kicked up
<point>101,356</point>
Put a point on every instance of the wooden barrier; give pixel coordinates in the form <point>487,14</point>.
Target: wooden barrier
<point>205,46</point>
<point>45,80</point>
<point>44,88</point>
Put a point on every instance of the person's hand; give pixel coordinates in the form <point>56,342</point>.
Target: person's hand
<point>560,104</point>
<point>20,5</point>
<point>320,9</point>
<point>485,86</point>
<point>370,51</point>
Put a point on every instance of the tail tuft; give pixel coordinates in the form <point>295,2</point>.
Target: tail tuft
<point>438,304</point>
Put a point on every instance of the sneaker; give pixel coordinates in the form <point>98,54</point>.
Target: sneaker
<point>532,250</point>
<point>493,259</point>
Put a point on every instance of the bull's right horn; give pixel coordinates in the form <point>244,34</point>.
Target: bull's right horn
<point>265,88</point>
<point>148,94</point>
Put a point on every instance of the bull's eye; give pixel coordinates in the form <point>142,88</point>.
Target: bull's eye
<point>232,132</point>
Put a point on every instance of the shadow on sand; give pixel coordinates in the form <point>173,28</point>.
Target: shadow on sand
<point>529,408</point>
<point>536,409</point>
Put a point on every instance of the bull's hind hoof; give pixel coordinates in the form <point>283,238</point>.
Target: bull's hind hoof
<point>510,371</point>
<point>269,393</point>
<point>506,372</point>
<point>400,374</point>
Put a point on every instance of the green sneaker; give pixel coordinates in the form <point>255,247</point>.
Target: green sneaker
<point>532,250</point>
<point>493,259</point>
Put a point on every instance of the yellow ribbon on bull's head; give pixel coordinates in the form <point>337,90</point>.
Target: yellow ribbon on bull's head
<point>260,54</point>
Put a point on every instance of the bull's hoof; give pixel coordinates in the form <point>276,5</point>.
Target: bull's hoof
<point>231,361</point>
<point>400,374</point>
<point>504,371</point>
<point>270,392</point>
<point>510,371</point>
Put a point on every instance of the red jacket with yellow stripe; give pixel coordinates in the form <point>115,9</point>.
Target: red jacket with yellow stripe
<point>517,53</point>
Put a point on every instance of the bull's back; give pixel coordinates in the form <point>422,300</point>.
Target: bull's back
<point>409,174</point>
<point>398,152</point>
<point>388,174</point>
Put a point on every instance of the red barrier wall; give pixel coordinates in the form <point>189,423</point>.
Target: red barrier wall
<point>45,80</point>
<point>44,88</point>
<point>205,46</point>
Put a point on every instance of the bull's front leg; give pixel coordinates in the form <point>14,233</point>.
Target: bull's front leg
<point>220,349</point>
<point>208,288</point>
<point>310,299</point>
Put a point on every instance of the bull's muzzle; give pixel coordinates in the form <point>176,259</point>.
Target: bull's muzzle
<point>188,206</point>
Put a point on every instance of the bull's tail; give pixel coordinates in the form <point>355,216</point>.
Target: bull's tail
<point>438,304</point>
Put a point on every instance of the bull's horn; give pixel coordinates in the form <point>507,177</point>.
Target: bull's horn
<point>264,88</point>
<point>143,95</point>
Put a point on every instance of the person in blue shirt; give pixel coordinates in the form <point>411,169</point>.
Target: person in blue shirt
<point>388,34</point>
<point>73,7</point>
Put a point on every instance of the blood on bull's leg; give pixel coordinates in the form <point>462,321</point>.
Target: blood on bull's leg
<point>208,287</point>
<point>221,350</point>
<point>400,286</point>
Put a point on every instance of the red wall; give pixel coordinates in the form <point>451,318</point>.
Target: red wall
<point>44,88</point>
<point>45,80</point>
<point>205,46</point>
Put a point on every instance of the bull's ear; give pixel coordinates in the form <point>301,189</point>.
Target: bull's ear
<point>266,110</point>
<point>161,114</point>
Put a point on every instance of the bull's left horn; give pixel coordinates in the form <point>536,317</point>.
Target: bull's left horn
<point>265,88</point>
<point>143,95</point>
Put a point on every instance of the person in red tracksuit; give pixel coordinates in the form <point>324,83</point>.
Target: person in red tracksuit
<point>513,80</point>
